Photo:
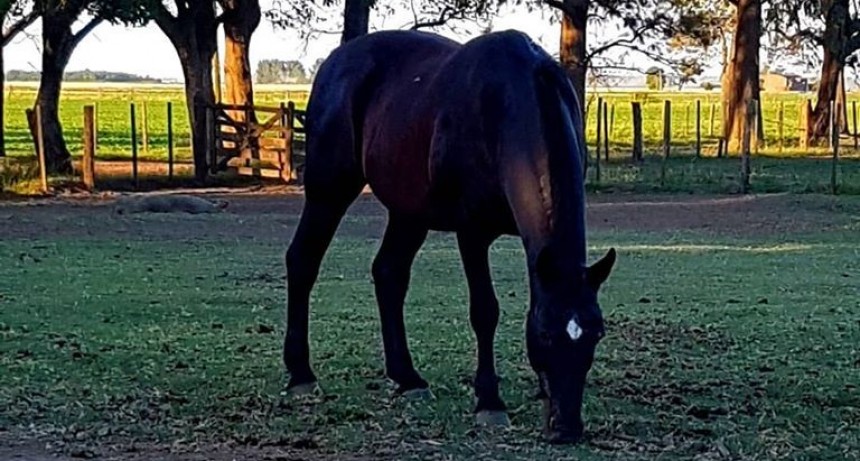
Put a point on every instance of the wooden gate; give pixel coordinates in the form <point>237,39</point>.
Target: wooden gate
<point>263,148</point>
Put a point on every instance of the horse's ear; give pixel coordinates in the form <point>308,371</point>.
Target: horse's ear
<point>599,272</point>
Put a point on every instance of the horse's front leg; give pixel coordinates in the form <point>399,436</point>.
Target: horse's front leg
<point>484,316</point>
<point>391,268</point>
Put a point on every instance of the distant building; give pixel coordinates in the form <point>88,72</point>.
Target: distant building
<point>774,82</point>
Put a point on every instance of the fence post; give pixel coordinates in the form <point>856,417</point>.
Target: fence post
<point>169,141</point>
<point>88,165</point>
<point>835,123</point>
<point>637,131</point>
<point>804,124</point>
<point>686,121</point>
<point>854,112</point>
<point>95,128</point>
<point>216,75</point>
<point>612,121</point>
<point>600,110</point>
<point>761,138</point>
<point>667,138</point>
<point>40,139</point>
<point>606,131</point>
<point>287,122</point>
<point>698,128</point>
<point>134,146</point>
<point>712,116</point>
<point>211,140</point>
<point>748,128</point>
<point>781,122</point>
<point>833,133</point>
<point>144,127</point>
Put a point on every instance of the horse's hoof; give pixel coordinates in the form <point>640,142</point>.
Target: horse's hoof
<point>492,418</point>
<point>303,390</point>
<point>420,394</point>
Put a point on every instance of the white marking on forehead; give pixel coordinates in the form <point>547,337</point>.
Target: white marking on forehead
<point>574,330</point>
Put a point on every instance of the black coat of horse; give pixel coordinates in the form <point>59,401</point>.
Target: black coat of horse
<point>481,139</point>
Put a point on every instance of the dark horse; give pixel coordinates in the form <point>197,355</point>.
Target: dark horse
<point>481,139</point>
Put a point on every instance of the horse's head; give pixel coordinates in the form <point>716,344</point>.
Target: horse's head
<point>564,326</point>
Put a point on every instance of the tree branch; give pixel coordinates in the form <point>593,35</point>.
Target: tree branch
<point>563,7</point>
<point>18,26</point>
<point>165,21</point>
<point>439,21</point>
<point>637,35</point>
<point>77,37</point>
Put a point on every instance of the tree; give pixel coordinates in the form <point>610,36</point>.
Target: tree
<point>241,18</point>
<point>274,71</point>
<point>645,25</point>
<point>192,31</point>
<point>356,19</point>
<point>58,43</point>
<point>15,16</point>
<point>655,79</point>
<point>312,74</point>
<point>307,16</point>
<point>742,82</point>
<point>830,27</point>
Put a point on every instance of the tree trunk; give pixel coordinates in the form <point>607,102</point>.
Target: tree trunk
<point>194,35</point>
<point>743,73</point>
<point>199,96</point>
<point>835,40</point>
<point>356,19</point>
<point>572,49</point>
<point>58,42</point>
<point>241,18</point>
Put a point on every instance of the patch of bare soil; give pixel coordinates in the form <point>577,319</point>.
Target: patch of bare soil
<point>271,214</point>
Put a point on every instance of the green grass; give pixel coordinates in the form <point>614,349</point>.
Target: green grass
<point>773,171</point>
<point>724,348</point>
<point>114,118</point>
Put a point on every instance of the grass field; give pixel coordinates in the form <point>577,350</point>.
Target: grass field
<point>772,171</point>
<point>114,120</point>
<point>737,340</point>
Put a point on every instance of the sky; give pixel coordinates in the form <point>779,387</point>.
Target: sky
<point>146,51</point>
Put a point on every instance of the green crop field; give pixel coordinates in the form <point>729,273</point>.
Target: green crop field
<point>732,336</point>
<point>113,111</point>
<point>115,135</point>
<point>774,169</point>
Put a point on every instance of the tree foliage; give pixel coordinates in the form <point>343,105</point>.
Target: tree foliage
<point>311,18</point>
<point>271,71</point>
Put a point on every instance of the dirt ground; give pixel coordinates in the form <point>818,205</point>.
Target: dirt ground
<point>273,212</point>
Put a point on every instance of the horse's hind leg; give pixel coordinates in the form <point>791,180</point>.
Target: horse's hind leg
<point>484,316</point>
<point>391,269</point>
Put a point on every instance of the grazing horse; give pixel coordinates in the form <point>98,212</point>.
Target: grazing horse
<point>481,139</point>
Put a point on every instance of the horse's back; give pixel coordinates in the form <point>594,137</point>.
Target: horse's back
<point>417,117</point>
<point>356,92</point>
